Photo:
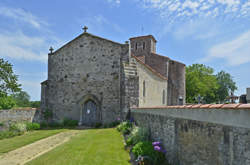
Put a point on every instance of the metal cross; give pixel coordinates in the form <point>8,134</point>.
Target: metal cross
<point>51,50</point>
<point>85,29</point>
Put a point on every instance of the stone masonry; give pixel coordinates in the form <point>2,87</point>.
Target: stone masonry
<point>200,134</point>
<point>94,80</point>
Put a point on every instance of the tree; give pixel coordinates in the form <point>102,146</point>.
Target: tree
<point>7,102</point>
<point>8,80</point>
<point>22,99</point>
<point>226,85</point>
<point>200,81</point>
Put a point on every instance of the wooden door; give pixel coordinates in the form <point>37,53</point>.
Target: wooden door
<point>90,113</point>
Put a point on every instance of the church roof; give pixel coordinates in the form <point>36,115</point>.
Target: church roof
<point>150,68</point>
<point>147,36</point>
<point>87,34</point>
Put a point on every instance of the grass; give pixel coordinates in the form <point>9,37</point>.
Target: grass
<point>90,147</point>
<point>10,144</point>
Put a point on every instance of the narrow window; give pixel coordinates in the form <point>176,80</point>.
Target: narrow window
<point>144,45</point>
<point>136,46</point>
<point>144,89</point>
<point>163,96</point>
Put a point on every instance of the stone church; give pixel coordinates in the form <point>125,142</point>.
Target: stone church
<point>95,80</point>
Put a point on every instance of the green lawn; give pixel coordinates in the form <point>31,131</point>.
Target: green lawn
<point>90,147</point>
<point>13,143</point>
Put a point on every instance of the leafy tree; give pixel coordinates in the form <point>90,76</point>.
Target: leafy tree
<point>8,80</point>
<point>35,104</point>
<point>226,85</point>
<point>200,81</point>
<point>22,99</point>
<point>7,102</point>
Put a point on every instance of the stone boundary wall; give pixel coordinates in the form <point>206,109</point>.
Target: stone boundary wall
<point>17,115</point>
<point>200,134</point>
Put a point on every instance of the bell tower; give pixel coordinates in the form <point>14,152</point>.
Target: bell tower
<point>143,45</point>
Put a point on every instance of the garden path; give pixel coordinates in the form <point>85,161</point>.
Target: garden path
<point>24,154</point>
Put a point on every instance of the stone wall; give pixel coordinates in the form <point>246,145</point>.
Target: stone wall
<point>87,68</point>
<point>154,87</point>
<point>200,135</point>
<point>18,115</point>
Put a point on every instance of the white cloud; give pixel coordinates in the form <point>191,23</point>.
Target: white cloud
<point>234,52</point>
<point>22,47</point>
<point>23,16</point>
<point>115,2</point>
<point>177,10</point>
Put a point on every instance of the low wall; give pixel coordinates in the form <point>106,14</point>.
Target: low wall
<point>200,134</point>
<point>17,115</point>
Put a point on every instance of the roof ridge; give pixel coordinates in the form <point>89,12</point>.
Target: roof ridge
<point>150,68</point>
<point>85,33</point>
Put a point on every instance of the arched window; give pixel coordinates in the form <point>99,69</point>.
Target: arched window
<point>163,97</point>
<point>136,45</point>
<point>144,89</point>
<point>144,45</point>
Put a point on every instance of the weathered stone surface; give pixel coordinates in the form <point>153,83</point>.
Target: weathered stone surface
<point>190,141</point>
<point>18,115</point>
<point>90,68</point>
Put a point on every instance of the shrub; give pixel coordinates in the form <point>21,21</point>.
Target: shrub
<point>1,124</point>
<point>147,149</point>
<point>138,134</point>
<point>70,123</point>
<point>32,126</point>
<point>43,124</point>
<point>98,125</point>
<point>55,125</point>
<point>19,127</point>
<point>124,127</point>
<point>9,134</point>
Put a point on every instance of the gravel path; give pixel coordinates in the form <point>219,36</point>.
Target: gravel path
<point>24,154</point>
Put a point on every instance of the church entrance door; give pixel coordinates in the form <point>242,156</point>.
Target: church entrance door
<point>90,113</point>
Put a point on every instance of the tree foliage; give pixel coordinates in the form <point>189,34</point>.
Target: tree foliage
<point>226,85</point>
<point>200,80</point>
<point>22,99</point>
<point>8,80</point>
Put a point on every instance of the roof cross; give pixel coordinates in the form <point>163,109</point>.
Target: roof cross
<point>85,29</point>
<point>51,50</point>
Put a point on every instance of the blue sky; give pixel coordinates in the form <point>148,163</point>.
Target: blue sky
<point>213,32</point>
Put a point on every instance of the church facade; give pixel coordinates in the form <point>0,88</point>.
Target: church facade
<point>95,80</point>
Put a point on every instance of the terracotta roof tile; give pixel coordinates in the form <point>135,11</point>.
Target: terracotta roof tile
<point>230,106</point>
<point>244,106</point>
<point>215,106</point>
<point>196,106</point>
<point>205,105</point>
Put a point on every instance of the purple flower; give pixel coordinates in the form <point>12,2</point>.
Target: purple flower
<point>157,148</point>
<point>118,119</point>
<point>156,143</point>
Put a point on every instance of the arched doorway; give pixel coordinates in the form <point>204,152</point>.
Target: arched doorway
<point>90,113</point>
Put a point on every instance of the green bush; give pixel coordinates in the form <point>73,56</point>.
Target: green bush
<point>98,125</point>
<point>70,123</point>
<point>1,124</point>
<point>19,127</point>
<point>55,125</point>
<point>138,134</point>
<point>124,127</point>
<point>32,126</point>
<point>9,134</point>
<point>147,149</point>
<point>7,102</point>
<point>43,124</point>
